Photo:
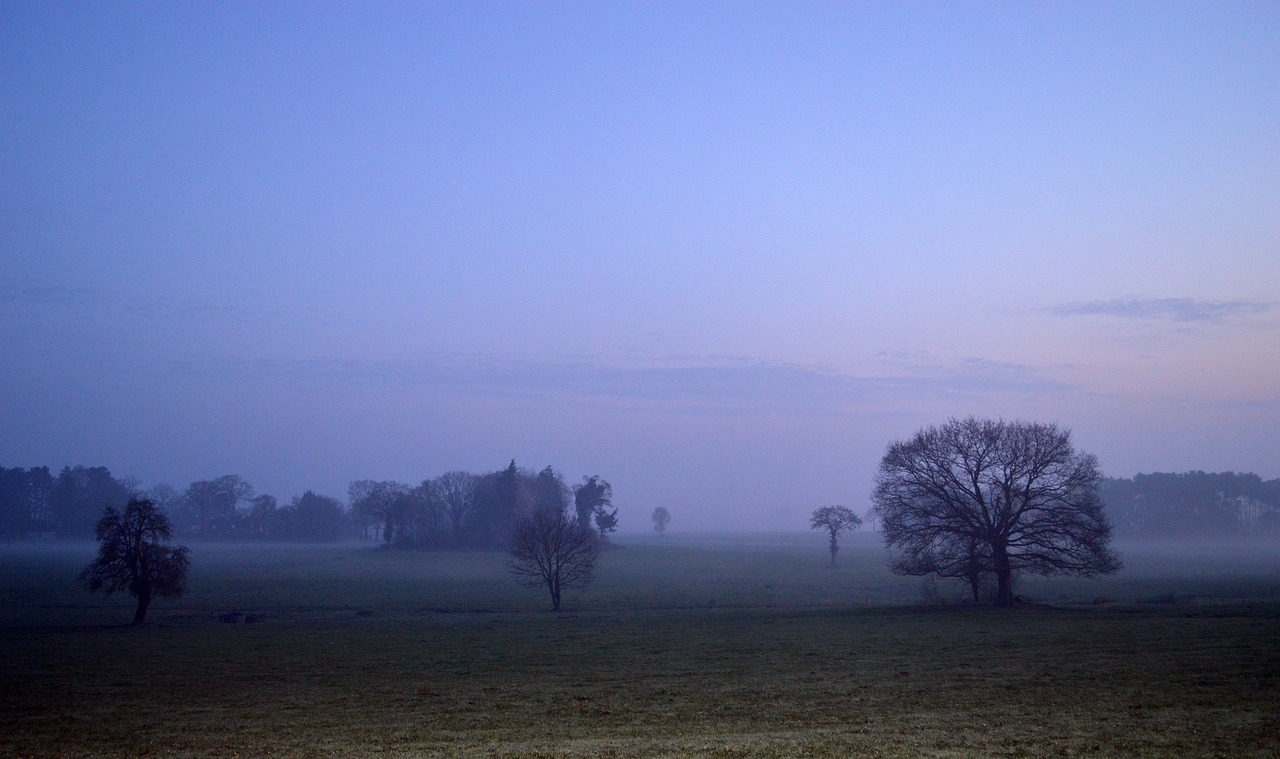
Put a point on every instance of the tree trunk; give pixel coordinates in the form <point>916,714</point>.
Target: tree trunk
<point>554,587</point>
<point>144,601</point>
<point>834,548</point>
<point>973,571</point>
<point>1004,575</point>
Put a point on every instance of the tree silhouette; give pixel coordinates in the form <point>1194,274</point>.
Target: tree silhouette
<point>592,499</point>
<point>132,556</point>
<point>548,547</point>
<point>834,519</point>
<point>978,495</point>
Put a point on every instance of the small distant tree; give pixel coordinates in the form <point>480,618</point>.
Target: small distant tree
<point>132,555</point>
<point>661,518</point>
<point>835,520</point>
<point>548,547</point>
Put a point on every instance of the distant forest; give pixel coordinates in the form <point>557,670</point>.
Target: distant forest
<point>455,509</point>
<point>466,510</point>
<point>1193,506</point>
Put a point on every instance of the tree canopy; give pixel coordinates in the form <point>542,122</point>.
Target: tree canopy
<point>132,556</point>
<point>835,520</point>
<point>548,547</point>
<point>592,500</point>
<point>977,495</point>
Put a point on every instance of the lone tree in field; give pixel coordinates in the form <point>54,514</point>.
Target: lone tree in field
<point>835,520</point>
<point>133,556</point>
<point>548,547</point>
<point>977,495</point>
<point>661,518</point>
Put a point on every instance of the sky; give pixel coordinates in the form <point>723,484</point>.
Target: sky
<point>718,253</point>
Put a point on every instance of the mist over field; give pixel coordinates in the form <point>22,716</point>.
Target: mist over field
<point>743,644</point>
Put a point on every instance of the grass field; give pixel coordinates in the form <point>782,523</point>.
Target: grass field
<point>712,646</point>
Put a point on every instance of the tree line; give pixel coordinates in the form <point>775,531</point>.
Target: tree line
<point>455,509</point>
<point>465,510</point>
<point>1166,506</point>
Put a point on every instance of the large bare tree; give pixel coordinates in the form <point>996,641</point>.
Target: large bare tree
<point>977,495</point>
<point>548,547</point>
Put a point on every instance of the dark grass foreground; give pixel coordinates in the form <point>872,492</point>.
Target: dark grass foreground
<point>1106,681</point>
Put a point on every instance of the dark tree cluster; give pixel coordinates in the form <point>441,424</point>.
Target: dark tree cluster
<point>464,510</point>
<point>455,509</point>
<point>228,508</point>
<point>1193,505</point>
<point>977,497</point>
<point>34,503</point>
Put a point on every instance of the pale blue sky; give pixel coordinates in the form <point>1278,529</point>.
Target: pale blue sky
<point>719,253</point>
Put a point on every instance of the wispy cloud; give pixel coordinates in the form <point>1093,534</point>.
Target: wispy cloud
<point>1165,309</point>
<point>46,295</point>
<point>92,302</point>
<point>712,384</point>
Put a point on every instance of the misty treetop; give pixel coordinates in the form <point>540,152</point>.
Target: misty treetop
<point>661,518</point>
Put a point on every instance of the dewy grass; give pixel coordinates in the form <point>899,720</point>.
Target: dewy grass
<point>450,658</point>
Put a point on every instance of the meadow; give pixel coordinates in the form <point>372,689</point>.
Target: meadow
<point>726,645</point>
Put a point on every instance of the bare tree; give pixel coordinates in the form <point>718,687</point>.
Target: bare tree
<point>381,501</point>
<point>548,547</point>
<point>834,519</point>
<point>978,495</point>
<point>661,518</point>
<point>132,556</point>
<point>210,505</point>
<point>457,493</point>
<point>262,511</point>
